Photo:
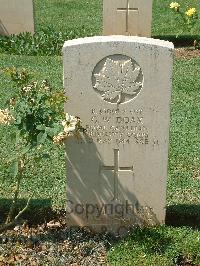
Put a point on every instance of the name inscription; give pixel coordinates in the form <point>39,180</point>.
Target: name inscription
<point>117,126</point>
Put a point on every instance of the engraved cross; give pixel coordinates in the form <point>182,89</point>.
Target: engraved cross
<point>117,169</point>
<point>127,10</point>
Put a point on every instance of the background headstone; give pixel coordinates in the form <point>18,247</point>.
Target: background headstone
<point>120,87</point>
<point>127,17</point>
<point>16,16</point>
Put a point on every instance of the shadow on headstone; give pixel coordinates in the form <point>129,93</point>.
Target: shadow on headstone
<point>39,210</point>
<point>123,213</point>
<point>183,215</point>
<point>3,30</point>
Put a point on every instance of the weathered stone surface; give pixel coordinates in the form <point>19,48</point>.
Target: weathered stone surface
<point>120,87</point>
<point>127,17</point>
<point>16,16</point>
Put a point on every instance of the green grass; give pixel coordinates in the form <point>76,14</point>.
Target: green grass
<point>184,182</point>
<point>69,15</point>
<point>163,245</point>
<point>66,15</point>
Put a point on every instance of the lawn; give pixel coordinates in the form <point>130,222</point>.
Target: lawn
<point>87,15</point>
<point>164,245</point>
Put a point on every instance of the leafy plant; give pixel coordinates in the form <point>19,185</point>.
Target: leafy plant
<point>45,42</point>
<point>36,113</point>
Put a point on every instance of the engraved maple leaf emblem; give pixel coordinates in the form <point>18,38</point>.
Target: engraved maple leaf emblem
<point>118,79</point>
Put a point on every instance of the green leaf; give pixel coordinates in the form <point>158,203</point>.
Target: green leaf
<point>13,158</point>
<point>18,120</point>
<point>45,156</point>
<point>41,137</point>
<point>26,149</point>
<point>50,131</point>
<point>37,159</point>
<point>17,137</point>
<point>14,136</point>
<point>14,168</point>
<point>40,127</point>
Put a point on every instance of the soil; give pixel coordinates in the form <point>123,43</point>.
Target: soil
<point>52,244</point>
<point>186,52</point>
<point>184,45</point>
<point>43,238</point>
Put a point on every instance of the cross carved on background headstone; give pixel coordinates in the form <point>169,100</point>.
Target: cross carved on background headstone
<point>127,17</point>
<point>127,11</point>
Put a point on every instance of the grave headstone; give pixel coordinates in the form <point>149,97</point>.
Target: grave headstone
<point>127,17</point>
<point>16,16</point>
<point>120,87</point>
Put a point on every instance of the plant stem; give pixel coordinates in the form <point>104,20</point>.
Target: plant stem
<point>13,222</point>
<point>16,192</point>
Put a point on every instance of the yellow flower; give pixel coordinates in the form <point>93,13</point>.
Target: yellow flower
<point>175,6</point>
<point>5,117</point>
<point>191,12</point>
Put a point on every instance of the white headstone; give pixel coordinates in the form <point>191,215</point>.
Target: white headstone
<point>127,17</point>
<point>16,16</point>
<point>120,87</point>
